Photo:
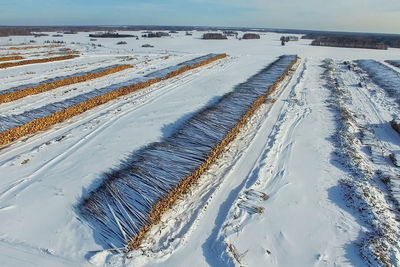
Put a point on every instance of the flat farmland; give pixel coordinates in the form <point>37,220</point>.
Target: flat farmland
<point>235,152</point>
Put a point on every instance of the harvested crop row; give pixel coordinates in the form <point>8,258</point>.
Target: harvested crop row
<point>10,58</point>
<point>362,186</point>
<point>68,51</point>
<point>35,61</point>
<point>30,122</point>
<point>17,94</point>
<point>31,47</point>
<point>395,123</point>
<point>395,63</point>
<point>382,75</point>
<point>133,197</point>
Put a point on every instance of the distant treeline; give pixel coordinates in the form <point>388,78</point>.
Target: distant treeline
<point>214,36</point>
<point>343,39</point>
<point>29,30</point>
<point>370,41</point>
<point>351,42</point>
<point>155,34</point>
<point>7,31</point>
<point>289,38</point>
<point>110,35</point>
<point>250,36</point>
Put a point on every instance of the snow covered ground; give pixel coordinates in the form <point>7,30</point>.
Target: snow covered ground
<point>279,195</point>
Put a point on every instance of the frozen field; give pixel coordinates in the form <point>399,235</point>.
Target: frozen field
<point>311,179</point>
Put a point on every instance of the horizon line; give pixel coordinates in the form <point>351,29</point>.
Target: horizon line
<point>203,26</point>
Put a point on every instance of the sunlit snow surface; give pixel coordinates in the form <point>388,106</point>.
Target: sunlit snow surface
<point>121,206</point>
<point>285,152</point>
<point>9,122</point>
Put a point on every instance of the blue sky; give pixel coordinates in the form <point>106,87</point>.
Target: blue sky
<point>341,15</point>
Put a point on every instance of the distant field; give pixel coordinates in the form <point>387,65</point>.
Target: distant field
<point>171,150</point>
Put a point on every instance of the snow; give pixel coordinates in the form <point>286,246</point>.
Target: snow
<point>121,206</point>
<point>16,120</point>
<point>384,76</point>
<point>286,151</point>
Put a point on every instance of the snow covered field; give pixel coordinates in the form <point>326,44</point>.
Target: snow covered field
<point>309,181</point>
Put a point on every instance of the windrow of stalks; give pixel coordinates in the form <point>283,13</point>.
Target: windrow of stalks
<point>362,186</point>
<point>31,47</point>
<point>387,78</point>
<point>16,126</point>
<point>133,197</point>
<point>395,63</point>
<point>35,61</point>
<point>395,123</point>
<point>2,59</point>
<point>63,52</point>
<point>17,93</point>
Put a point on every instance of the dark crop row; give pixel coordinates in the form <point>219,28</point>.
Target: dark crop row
<point>16,126</point>
<point>35,61</point>
<point>15,93</point>
<point>383,76</point>
<point>132,198</point>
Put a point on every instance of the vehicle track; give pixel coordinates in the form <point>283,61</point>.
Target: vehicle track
<point>66,92</point>
<point>180,225</point>
<point>65,70</point>
<point>130,104</point>
<point>60,69</point>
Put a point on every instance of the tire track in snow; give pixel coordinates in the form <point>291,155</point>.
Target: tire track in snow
<point>145,98</point>
<point>140,97</point>
<point>179,225</point>
<point>65,92</point>
<point>377,134</point>
<point>16,80</point>
<point>275,155</point>
<point>42,256</point>
<point>361,186</point>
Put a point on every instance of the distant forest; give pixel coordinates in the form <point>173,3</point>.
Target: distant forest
<point>357,40</point>
<point>7,31</point>
<point>29,30</point>
<point>320,38</point>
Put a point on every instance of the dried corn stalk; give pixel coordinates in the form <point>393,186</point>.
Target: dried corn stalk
<point>17,93</point>
<point>10,58</point>
<point>133,197</point>
<point>16,126</point>
<point>35,61</point>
